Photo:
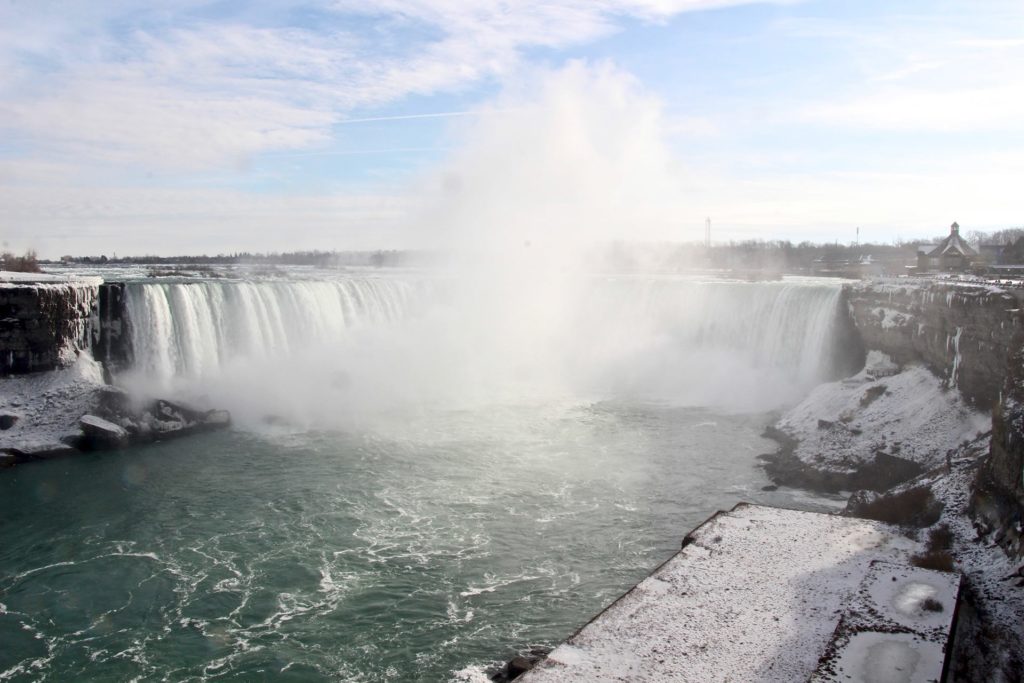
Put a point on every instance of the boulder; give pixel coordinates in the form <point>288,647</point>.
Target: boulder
<point>170,420</point>
<point>100,434</point>
<point>167,411</point>
<point>113,401</point>
<point>912,506</point>
<point>7,421</point>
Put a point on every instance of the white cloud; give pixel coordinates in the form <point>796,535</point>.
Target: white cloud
<point>88,111</point>
<point>948,72</point>
<point>176,93</point>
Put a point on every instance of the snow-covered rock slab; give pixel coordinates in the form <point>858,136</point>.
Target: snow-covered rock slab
<point>100,433</point>
<point>755,594</point>
<point>911,414</point>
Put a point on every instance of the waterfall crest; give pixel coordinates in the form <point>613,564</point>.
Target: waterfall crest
<point>384,341</point>
<point>194,329</point>
<point>786,326</point>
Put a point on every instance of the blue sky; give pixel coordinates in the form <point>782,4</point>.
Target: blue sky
<point>185,126</point>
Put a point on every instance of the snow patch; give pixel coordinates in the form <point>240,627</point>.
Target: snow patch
<point>48,404</point>
<point>910,414</point>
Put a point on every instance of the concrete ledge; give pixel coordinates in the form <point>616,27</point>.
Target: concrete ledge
<point>756,594</point>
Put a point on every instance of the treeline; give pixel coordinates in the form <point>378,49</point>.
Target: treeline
<point>27,263</point>
<point>315,258</point>
<point>780,256</point>
<point>762,255</point>
<point>997,237</point>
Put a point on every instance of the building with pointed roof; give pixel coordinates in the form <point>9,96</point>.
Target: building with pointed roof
<point>952,254</point>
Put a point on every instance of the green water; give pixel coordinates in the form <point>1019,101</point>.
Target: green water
<point>423,549</point>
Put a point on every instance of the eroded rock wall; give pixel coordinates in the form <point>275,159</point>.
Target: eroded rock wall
<point>44,325</point>
<point>973,337</point>
<point>964,334</point>
<point>111,339</point>
<point>997,500</point>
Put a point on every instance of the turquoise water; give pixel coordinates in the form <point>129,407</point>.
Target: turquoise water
<point>425,548</point>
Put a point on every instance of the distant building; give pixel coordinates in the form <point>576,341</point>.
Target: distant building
<point>990,254</point>
<point>1010,262</point>
<point>1013,254</point>
<point>952,254</point>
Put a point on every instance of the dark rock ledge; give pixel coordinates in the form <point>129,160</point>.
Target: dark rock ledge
<point>880,473</point>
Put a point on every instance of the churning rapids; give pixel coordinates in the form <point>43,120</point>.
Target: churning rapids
<point>425,473</point>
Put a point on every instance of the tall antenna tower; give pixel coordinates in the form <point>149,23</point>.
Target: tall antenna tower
<point>707,233</point>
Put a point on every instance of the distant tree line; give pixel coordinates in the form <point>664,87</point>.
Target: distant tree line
<point>315,258</point>
<point>27,263</point>
<point>782,256</point>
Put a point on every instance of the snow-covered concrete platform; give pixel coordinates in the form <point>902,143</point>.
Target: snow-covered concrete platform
<point>896,628</point>
<point>760,594</point>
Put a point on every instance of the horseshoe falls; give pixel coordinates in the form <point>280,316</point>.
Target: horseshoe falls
<point>426,473</point>
<point>388,341</point>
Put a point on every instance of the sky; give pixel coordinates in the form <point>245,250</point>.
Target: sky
<point>193,126</point>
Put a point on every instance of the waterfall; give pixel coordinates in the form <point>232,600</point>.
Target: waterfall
<point>387,340</point>
<point>194,329</point>
<point>789,326</point>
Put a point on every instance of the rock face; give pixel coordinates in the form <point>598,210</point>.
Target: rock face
<point>973,336</point>
<point>44,324</point>
<point>998,498</point>
<point>964,334</point>
<point>111,343</point>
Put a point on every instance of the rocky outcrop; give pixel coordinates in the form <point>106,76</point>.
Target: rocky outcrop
<point>973,337</point>
<point>100,434</point>
<point>44,325</point>
<point>112,420</point>
<point>126,422</point>
<point>873,430</point>
<point>878,473</point>
<point>971,498</point>
<point>964,334</point>
<point>998,497</point>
